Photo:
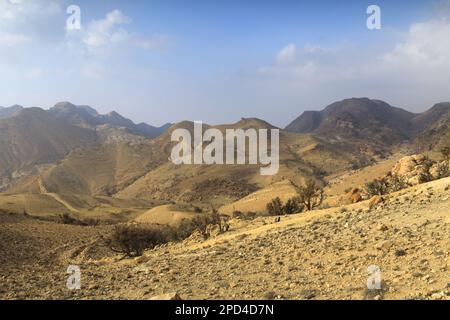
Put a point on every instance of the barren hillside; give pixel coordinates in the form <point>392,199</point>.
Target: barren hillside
<point>317,255</point>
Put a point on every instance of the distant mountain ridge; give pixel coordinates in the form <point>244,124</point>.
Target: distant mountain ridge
<point>6,112</point>
<point>143,170</point>
<point>74,149</point>
<point>31,138</point>
<point>370,120</point>
<point>85,116</point>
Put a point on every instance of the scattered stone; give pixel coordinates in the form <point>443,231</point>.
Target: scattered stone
<point>168,296</point>
<point>308,294</point>
<point>384,245</point>
<point>436,296</point>
<point>271,295</point>
<point>375,201</point>
<point>141,259</point>
<point>400,253</point>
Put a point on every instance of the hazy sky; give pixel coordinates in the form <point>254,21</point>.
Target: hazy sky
<point>217,61</point>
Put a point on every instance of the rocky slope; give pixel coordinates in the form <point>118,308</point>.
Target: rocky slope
<point>127,166</point>
<point>32,137</point>
<point>323,254</point>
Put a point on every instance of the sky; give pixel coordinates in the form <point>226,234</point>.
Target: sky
<point>217,60</point>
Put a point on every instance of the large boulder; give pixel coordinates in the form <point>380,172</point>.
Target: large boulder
<point>356,196</point>
<point>414,169</point>
<point>406,165</point>
<point>351,197</point>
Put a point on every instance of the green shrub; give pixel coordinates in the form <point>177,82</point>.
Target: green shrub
<point>443,169</point>
<point>200,223</point>
<point>133,240</point>
<point>377,187</point>
<point>396,183</point>
<point>275,207</point>
<point>292,206</point>
<point>67,219</point>
<point>198,209</point>
<point>444,146</point>
<point>238,214</point>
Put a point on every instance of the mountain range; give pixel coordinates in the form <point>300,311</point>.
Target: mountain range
<point>6,112</point>
<point>371,121</point>
<point>74,150</point>
<point>31,138</point>
<point>87,117</point>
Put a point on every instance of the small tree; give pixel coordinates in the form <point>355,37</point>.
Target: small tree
<point>275,207</point>
<point>310,195</point>
<point>132,240</point>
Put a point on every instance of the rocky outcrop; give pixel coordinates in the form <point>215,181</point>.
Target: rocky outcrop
<point>417,169</point>
<point>354,196</point>
<point>414,169</point>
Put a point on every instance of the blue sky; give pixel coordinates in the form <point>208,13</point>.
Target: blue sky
<point>217,61</point>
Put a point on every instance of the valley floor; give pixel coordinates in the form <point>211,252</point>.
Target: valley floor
<point>323,254</point>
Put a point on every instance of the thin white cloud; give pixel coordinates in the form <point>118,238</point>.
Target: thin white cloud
<point>154,43</point>
<point>93,71</point>
<point>44,21</point>
<point>427,43</point>
<point>107,31</point>
<point>288,54</point>
<point>13,40</point>
<point>34,74</point>
<point>415,72</point>
<point>305,65</point>
<point>100,35</point>
<point>23,21</point>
